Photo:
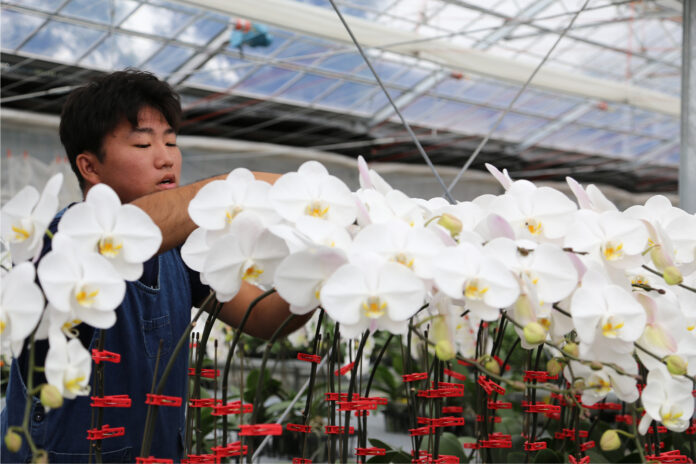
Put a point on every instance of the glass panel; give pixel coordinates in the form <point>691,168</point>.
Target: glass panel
<point>43,5</point>
<point>517,127</point>
<point>342,62</point>
<point>155,20</point>
<point>385,70</point>
<point>411,77</point>
<point>99,10</point>
<point>475,121</point>
<point>308,88</point>
<point>61,41</point>
<point>120,51</point>
<point>201,32</point>
<point>551,105</point>
<point>221,72</point>
<point>299,48</point>
<point>266,80</point>
<point>16,27</point>
<point>346,95</point>
<point>169,59</point>
<point>375,102</point>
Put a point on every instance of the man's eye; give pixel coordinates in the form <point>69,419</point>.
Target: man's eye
<point>142,145</point>
<point>171,144</point>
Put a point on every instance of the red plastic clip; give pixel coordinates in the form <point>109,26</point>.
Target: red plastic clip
<point>538,376</point>
<point>543,408</point>
<point>534,446</point>
<point>232,449</point>
<point>298,428</point>
<point>587,445</point>
<point>455,375</point>
<point>105,356</point>
<point>163,400</point>
<point>448,421</point>
<point>370,451</point>
<point>313,358</point>
<point>358,405</point>
<point>205,373</point>
<point>452,410</point>
<point>670,457</point>
<point>470,445</point>
<point>260,429</point>
<point>494,419</point>
<point>301,461</point>
<point>110,401</point>
<point>201,459</point>
<point>495,443</point>
<point>380,400</point>
<point>339,396</point>
<point>499,436</point>
<point>203,402</point>
<point>441,393</point>
<point>625,418</point>
<point>420,431</point>
<point>361,413</point>
<point>345,369</point>
<point>490,386</point>
<point>691,430</point>
<point>105,432</point>
<point>499,405</point>
<point>500,363</point>
<point>583,433</point>
<point>442,385</point>
<point>235,407</point>
<point>572,460</point>
<point>461,362</point>
<point>338,430</point>
<point>153,460</point>
<point>446,459</point>
<point>415,376</point>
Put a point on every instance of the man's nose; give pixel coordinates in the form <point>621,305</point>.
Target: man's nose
<point>164,157</point>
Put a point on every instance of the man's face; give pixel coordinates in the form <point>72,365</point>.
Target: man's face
<point>140,160</point>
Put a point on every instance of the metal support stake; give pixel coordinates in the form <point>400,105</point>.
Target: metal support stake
<point>687,162</point>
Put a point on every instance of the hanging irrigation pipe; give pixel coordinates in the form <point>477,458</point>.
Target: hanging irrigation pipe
<point>425,156</point>
<point>514,100</point>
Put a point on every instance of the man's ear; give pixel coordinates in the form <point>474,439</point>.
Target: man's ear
<point>88,164</point>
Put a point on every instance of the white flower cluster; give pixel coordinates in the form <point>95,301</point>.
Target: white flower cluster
<point>373,258</point>
<point>98,244</point>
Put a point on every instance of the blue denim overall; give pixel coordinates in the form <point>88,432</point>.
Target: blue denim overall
<point>147,315</point>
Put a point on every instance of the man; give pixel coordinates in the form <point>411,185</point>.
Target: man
<point>121,130</point>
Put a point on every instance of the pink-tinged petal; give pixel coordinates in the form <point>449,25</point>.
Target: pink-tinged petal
<point>401,289</point>
<point>498,227</point>
<point>364,173</point>
<point>208,209</point>
<point>106,205</point>
<point>599,201</point>
<point>140,235</point>
<point>501,177</point>
<point>580,194</point>
<point>344,293</point>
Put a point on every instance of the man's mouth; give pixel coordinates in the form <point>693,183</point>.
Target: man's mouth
<point>167,183</point>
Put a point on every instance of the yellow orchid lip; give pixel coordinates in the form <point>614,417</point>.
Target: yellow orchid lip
<point>252,273</point>
<point>611,329</point>
<point>472,290</point>
<point>533,226</point>
<point>108,248</point>
<point>86,299</point>
<point>374,307</point>
<point>316,209</point>
<point>612,251</point>
<point>21,234</point>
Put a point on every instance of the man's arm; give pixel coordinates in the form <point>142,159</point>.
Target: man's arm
<point>169,209</point>
<point>266,316</point>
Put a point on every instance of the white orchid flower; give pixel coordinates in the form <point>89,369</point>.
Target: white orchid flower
<point>414,247</point>
<point>465,272</point>
<point>218,202</point>
<point>299,277</point>
<point>369,179</point>
<point>84,285</point>
<point>312,191</point>
<point>535,212</point>
<point>616,239</point>
<point>249,252</point>
<point>21,305</point>
<point>547,266</point>
<point>368,293</point>
<point>599,383</point>
<point>668,400</point>
<point>123,234</point>
<point>27,215</point>
<point>590,198</point>
<point>68,367</point>
<point>502,177</point>
<point>376,207</point>
<point>599,307</point>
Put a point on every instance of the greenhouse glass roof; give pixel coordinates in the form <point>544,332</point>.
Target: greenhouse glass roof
<point>570,121</point>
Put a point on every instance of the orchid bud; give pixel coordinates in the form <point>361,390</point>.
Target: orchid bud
<point>554,366</point>
<point>571,349</point>
<point>517,385</point>
<point>676,365</point>
<point>672,275</point>
<point>13,441</point>
<point>660,258</point>
<point>534,333</point>
<point>490,364</point>
<point>610,441</point>
<point>444,348</point>
<point>51,397</point>
<point>596,366</point>
<point>40,457</point>
<point>451,223</point>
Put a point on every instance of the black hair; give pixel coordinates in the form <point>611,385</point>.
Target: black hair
<point>95,109</point>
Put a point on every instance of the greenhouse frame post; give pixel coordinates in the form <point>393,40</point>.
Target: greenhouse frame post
<point>687,158</point>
